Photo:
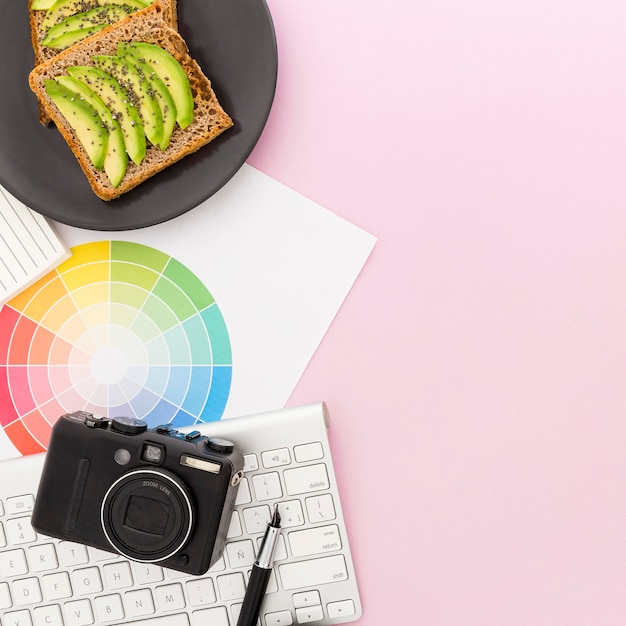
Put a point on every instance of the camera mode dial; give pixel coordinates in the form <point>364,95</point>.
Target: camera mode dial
<point>128,425</point>
<point>223,446</point>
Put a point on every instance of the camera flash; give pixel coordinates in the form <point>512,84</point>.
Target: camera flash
<point>201,464</point>
<point>152,453</point>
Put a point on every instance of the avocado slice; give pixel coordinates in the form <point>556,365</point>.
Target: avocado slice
<point>111,92</point>
<point>161,92</point>
<point>80,25</point>
<point>65,40</point>
<point>64,8</point>
<point>138,89</point>
<point>83,119</point>
<point>116,159</point>
<point>171,72</point>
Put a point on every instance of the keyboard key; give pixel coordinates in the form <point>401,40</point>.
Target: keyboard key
<point>309,452</point>
<point>306,479</point>
<point>48,615</point>
<point>310,614</point>
<point>26,591</point>
<point>317,540</point>
<point>5,596</point>
<point>279,618</point>
<point>71,554</point>
<point>18,618</point>
<point>3,539</point>
<point>243,494</point>
<point>78,613</point>
<point>174,574</point>
<point>276,458</point>
<point>216,616</point>
<point>240,553</point>
<point>20,531</point>
<point>138,603</point>
<point>13,563</point>
<point>56,586</point>
<point>267,486</point>
<point>170,597</point>
<point>86,580</point>
<point>234,529</point>
<point>290,514</point>
<point>306,598</point>
<point>117,575</point>
<point>343,608</point>
<point>147,573</point>
<point>42,557</point>
<point>256,519</point>
<point>102,555</point>
<point>218,566</point>
<point>320,508</point>
<point>231,586</point>
<point>201,591</point>
<point>20,504</point>
<point>109,608</point>
<point>250,463</point>
<point>313,572</point>
<point>280,553</point>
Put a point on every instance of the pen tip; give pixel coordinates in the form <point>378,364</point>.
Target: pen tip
<point>275,518</point>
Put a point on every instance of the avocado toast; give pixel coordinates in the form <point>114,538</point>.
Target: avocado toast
<point>130,101</point>
<point>58,24</point>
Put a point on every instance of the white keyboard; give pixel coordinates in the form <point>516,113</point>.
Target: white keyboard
<point>47,582</point>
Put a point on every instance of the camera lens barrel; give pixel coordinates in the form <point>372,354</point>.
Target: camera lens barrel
<point>147,515</point>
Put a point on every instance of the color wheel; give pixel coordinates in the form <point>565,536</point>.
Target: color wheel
<point>118,329</point>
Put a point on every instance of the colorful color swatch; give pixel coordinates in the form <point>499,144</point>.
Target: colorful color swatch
<point>118,329</point>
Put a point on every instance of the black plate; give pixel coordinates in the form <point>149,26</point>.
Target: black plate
<point>234,43</point>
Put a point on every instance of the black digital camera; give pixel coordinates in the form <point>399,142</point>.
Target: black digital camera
<point>153,495</point>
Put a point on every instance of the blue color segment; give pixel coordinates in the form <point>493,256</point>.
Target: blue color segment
<point>178,384</point>
<point>199,386</point>
<point>218,394</point>
<point>144,403</point>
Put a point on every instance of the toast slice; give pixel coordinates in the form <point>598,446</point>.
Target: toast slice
<point>39,30</point>
<point>147,26</point>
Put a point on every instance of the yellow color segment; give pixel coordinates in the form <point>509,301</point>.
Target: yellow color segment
<point>91,294</point>
<point>20,302</point>
<point>47,298</point>
<point>93,272</point>
<point>97,315</point>
<point>87,253</point>
<point>59,313</point>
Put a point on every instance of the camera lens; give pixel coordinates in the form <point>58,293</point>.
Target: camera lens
<point>147,515</point>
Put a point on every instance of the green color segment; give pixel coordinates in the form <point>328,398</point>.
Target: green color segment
<point>177,299</point>
<point>139,254</point>
<point>126,272</point>
<point>189,283</point>
<point>220,342</point>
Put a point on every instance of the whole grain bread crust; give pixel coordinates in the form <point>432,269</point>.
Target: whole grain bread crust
<point>43,53</point>
<point>147,25</point>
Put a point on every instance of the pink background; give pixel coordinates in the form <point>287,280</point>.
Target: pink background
<point>475,374</point>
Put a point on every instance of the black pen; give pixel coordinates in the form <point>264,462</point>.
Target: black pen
<point>260,574</point>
